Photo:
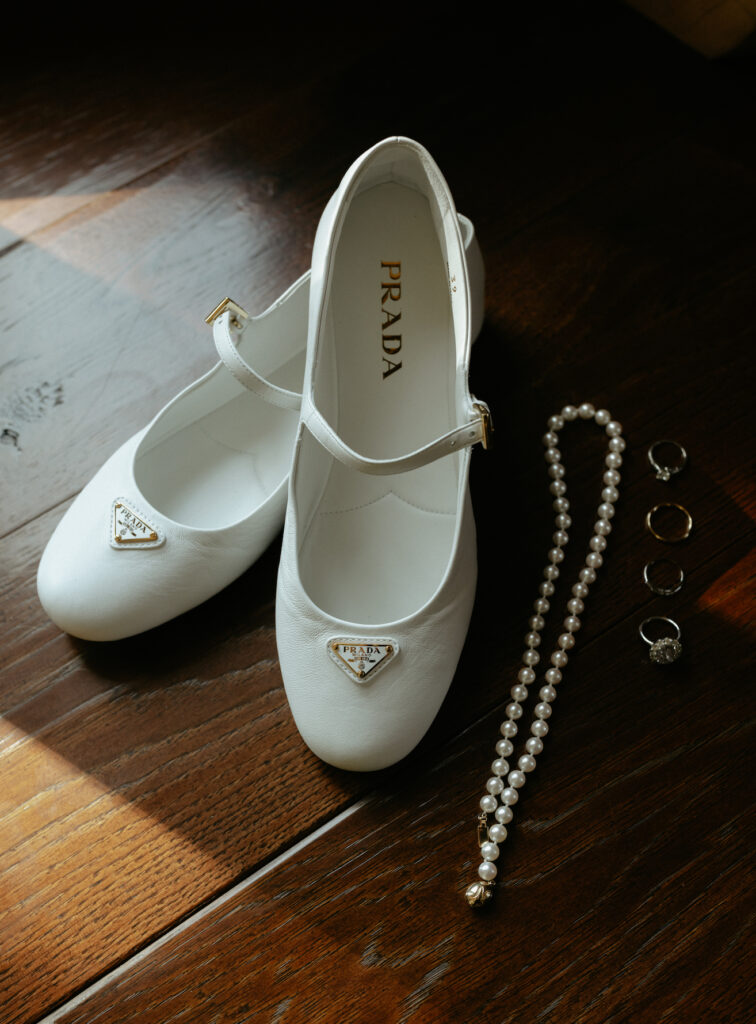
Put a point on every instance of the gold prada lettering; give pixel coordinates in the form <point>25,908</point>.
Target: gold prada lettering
<point>391,343</point>
<point>359,658</point>
<point>128,528</point>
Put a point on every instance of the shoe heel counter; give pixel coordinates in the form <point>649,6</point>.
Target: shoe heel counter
<point>477,276</point>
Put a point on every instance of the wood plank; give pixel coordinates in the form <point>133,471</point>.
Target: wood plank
<point>627,889</point>
<point>146,757</point>
<point>121,330</point>
<point>79,123</point>
<point>103,321</point>
<point>153,767</point>
<point>146,777</point>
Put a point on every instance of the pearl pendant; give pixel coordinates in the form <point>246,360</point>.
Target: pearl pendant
<point>479,893</point>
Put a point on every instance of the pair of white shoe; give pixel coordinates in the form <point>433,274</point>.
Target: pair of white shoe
<point>378,564</point>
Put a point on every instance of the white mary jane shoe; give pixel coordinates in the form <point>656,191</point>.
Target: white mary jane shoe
<point>190,502</point>
<point>378,565</point>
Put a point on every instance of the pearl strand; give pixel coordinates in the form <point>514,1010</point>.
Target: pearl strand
<point>501,795</point>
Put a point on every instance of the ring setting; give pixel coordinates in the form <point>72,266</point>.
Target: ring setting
<point>666,649</point>
<point>665,473</point>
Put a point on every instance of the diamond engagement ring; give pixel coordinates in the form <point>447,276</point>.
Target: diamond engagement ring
<point>665,649</point>
<point>664,473</point>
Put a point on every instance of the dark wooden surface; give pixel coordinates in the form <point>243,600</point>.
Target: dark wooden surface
<point>169,849</point>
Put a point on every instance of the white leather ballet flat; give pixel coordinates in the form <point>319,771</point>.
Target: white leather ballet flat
<point>190,502</point>
<point>378,565</point>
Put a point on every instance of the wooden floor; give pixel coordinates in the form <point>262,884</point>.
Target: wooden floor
<point>169,849</point>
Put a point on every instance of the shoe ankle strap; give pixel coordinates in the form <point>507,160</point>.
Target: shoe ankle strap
<point>229,320</point>
<point>479,428</point>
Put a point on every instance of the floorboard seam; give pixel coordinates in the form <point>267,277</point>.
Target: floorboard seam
<point>165,161</point>
<point>38,515</point>
<point>188,922</point>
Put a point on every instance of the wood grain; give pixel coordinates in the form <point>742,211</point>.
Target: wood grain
<point>614,195</point>
<point>121,288</point>
<point>81,121</point>
<point>620,899</point>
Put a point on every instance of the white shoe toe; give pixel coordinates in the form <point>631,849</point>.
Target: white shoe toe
<point>104,577</point>
<point>364,696</point>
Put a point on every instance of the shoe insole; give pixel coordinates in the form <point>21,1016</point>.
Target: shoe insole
<point>378,545</point>
<point>223,466</point>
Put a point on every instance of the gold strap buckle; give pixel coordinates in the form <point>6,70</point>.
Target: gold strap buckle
<point>237,313</point>
<point>487,422</point>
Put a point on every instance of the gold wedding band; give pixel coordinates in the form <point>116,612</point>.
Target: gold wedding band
<point>675,539</point>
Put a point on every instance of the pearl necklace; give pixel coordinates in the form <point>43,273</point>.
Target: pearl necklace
<point>500,797</point>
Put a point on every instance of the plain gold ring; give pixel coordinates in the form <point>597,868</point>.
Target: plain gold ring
<point>669,540</point>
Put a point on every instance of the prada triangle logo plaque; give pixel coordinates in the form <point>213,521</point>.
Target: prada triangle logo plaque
<point>130,529</point>
<point>362,659</point>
